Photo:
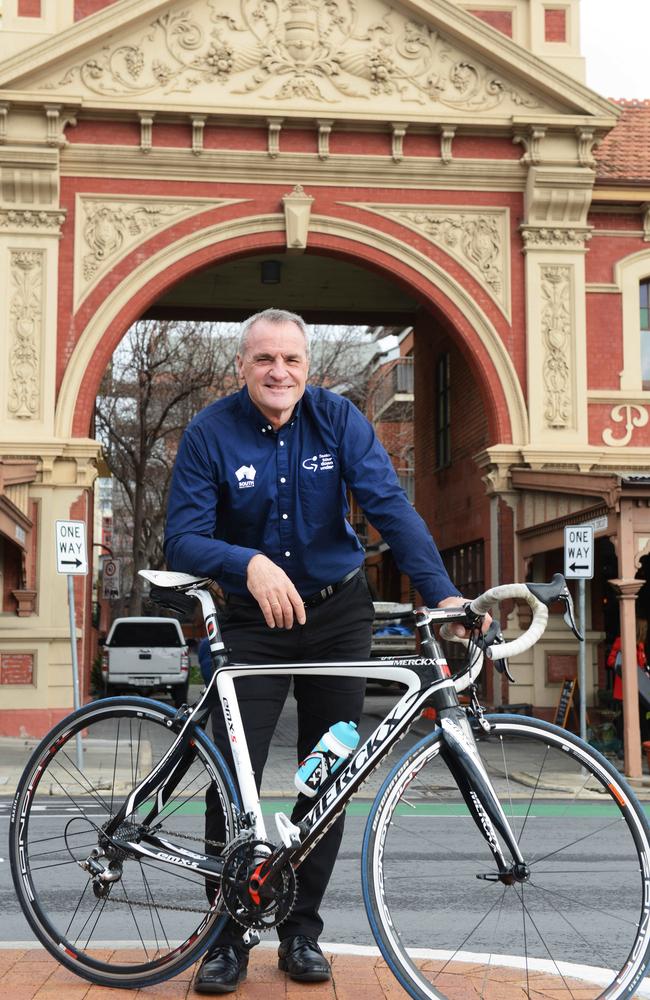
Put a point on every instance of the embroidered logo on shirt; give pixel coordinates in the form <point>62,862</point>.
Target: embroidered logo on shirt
<point>245,476</point>
<point>318,462</point>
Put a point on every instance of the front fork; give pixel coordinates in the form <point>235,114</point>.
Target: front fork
<point>461,756</point>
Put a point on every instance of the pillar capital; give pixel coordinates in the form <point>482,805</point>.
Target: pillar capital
<point>626,589</point>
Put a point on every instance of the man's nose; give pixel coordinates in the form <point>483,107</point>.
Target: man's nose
<point>278,369</point>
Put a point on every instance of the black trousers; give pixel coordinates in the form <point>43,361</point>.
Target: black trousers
<point>338,629</point>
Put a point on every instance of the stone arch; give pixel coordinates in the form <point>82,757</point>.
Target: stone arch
<point>425,278</point>
<point>627,275</point>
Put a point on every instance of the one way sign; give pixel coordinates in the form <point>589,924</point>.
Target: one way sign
<point>579,552</point>
<point>71,554</point>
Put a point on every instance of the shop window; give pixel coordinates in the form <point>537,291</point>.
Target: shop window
<point>644,289</point>
<point>443,412</point>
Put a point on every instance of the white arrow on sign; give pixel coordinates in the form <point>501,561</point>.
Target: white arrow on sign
<point>71,556</point>
<point>579,551</point>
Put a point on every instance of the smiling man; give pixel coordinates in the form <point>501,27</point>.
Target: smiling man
<point>258,503</point>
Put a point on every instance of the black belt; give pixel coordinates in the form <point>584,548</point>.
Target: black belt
<point>322,595</point>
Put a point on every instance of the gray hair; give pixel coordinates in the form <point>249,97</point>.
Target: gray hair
<point>271,316</point>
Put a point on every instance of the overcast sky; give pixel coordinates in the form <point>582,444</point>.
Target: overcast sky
<point>616,44</point>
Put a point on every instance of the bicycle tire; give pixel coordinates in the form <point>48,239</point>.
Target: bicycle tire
<point>54,891</point>
<point>584,916</point>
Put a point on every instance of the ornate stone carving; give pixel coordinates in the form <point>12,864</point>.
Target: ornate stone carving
<point>446,139</point>
<point>556,336</point>
<point>531,141</point>
<point>26,219</point>
<point>25,325</point>
<point>308,51</point>
<point>109,227</point>
<point>646,222</point>
<point>297,211</point>
<point>633,414</point>
<point>542,238</point>
<point>477,240</point>
<point>324,131</point>
<point>273,138</point>
<point>397,142</point>
<point>198,124</point>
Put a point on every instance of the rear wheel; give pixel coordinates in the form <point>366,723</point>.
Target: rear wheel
<point>579,924</point>
<point>155,919</point>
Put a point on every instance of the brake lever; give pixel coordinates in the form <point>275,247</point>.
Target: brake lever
<point>494,637</point>
<point>568,616</point>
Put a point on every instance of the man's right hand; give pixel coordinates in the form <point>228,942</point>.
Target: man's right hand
<point>275,593</point>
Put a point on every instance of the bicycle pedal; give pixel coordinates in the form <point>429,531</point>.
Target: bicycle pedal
<point>288,831</point>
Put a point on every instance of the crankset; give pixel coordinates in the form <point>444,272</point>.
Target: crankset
<point>250,901</point>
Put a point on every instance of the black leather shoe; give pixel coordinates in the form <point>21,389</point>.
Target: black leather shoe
<point>222,970</point>
<point>301,957</point>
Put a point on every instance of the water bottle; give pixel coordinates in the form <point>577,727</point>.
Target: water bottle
<point>329,753</point>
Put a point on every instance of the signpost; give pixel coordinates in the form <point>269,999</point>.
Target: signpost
<point>111,578</point>
<point>72,560</point>
<point>579,565</point>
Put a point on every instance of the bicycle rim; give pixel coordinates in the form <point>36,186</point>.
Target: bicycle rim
<point>579,927</point>
<point>156,919</point>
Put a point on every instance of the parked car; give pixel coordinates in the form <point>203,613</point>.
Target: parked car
<point>146,655</point>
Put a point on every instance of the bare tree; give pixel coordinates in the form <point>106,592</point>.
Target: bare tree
<point>161,375</point>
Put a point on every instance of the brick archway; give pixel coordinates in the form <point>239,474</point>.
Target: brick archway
<point>437,290</point>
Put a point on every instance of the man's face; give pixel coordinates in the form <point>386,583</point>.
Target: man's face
<point>274,367</point>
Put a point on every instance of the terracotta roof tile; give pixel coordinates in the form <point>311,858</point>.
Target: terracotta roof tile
<point>624,154</point>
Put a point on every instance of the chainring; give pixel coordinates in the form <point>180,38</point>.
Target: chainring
<point>239,865</point>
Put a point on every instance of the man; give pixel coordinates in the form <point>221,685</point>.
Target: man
<point>258,503</point>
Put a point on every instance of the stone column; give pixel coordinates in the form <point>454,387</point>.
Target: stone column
<point>554,235</point>
<point>627,589</point>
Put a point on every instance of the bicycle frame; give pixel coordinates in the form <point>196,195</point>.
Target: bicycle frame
<point>428,682</point>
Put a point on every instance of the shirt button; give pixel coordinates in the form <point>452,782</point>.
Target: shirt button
<point>284,517</point>
<point>282,479</point>
<point>282,443</point>
<point>287,553</point>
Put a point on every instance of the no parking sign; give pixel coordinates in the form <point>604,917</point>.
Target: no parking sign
<point>110,579</point>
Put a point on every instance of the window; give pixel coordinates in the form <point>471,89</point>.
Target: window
<point>644,289</point>
<point>443,428</point>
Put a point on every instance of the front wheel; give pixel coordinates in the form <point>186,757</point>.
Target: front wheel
<point>445,923</point>
<point>154,919</point>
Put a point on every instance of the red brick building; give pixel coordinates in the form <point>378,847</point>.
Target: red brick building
<point>433,164</point>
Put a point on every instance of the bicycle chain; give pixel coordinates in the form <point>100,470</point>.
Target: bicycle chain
<point>171,906</point>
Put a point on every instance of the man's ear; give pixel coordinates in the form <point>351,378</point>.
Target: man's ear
<point>240,367</point>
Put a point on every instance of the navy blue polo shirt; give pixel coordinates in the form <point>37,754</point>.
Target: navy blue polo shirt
<point>240,488</point>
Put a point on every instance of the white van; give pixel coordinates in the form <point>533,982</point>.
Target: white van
<point>146,655</point>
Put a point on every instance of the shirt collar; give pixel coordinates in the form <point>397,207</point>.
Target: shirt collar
<point>258,419</point>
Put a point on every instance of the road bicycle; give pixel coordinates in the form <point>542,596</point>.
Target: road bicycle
<point>498,849</point>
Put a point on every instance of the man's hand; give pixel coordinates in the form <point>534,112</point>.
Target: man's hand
<point>275,593</point>
<point>460,630</point>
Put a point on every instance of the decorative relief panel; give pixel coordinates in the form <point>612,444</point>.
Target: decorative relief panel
<point>25,220</point>
<point>558,238</point>
<point>632,415</point>
<point>556,327</point>
<point>302,51</point>
<point>25,327</point>
<point>478,239</point>
<point>108,228</point>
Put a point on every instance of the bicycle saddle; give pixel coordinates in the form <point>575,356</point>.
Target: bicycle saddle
<point>173,581</point>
